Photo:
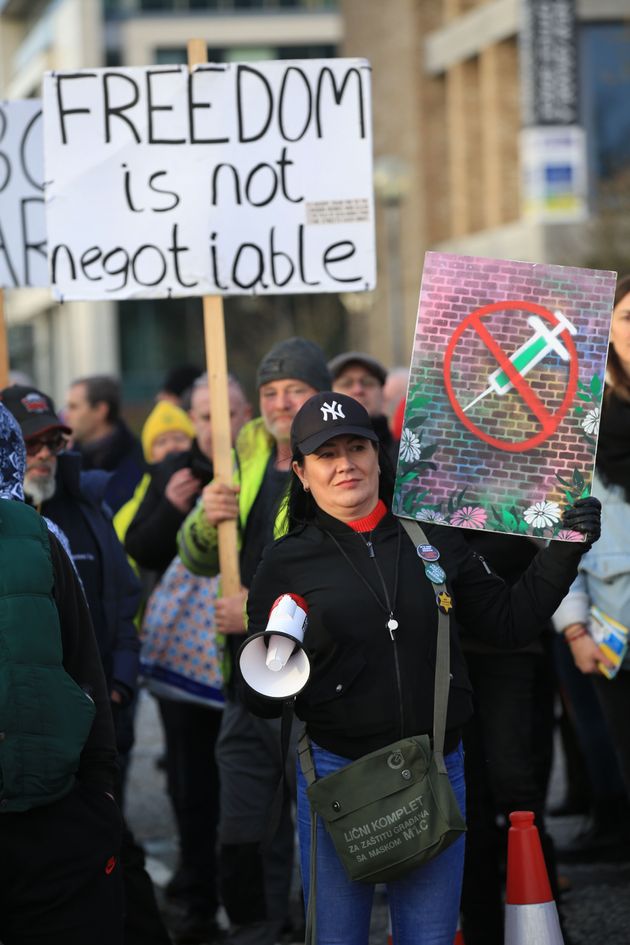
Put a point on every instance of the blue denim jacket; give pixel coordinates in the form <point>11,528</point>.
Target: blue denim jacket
<point>604,572</point>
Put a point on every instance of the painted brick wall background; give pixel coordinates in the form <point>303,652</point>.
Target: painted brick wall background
<point>496,481</point>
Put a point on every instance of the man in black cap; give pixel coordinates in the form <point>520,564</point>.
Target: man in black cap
<point>255,877</point>
<point>363,377</point>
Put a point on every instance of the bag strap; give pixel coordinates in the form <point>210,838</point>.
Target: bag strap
<point>443,654</point>
<point>305,756</point>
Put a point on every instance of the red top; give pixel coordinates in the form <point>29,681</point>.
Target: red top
<point>370,521</point>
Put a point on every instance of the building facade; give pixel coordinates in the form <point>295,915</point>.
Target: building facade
<point>501,128</point>
<point>140,340</point>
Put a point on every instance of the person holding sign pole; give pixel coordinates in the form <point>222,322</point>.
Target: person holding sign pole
<point>375,602</point>
<point>255,876</point>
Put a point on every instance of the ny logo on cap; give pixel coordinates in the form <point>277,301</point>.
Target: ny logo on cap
<point>332,411</point>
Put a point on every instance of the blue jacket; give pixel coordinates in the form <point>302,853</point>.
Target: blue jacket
<point>604,571</point>
<point>111,587</point>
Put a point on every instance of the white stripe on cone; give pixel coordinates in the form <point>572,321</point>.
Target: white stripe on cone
<point>535,923</point>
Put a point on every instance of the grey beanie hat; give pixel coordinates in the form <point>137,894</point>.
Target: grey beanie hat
<point>295,358</point>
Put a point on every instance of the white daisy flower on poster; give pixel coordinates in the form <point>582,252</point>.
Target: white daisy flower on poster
<point>431,515</point>
<point>409,446</point>
<point>590,423</point>
<point>542,514</point>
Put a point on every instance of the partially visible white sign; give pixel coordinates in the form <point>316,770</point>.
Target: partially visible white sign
<point>22,218</point>
<point>554,178</point>
<point>233,179</point>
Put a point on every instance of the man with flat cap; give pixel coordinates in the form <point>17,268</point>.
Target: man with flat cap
<point>363,377</point>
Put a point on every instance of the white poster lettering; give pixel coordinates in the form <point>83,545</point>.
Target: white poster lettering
<point>232,179</point>
<point>22,219</point>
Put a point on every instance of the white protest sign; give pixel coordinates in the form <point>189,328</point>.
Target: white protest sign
<point>22,218</point>
<point>231,179</point>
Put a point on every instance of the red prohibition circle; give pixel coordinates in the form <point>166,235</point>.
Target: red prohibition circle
<point>549,421</point>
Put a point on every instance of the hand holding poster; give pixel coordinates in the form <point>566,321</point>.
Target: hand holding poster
<point>230,179</point>
<point>505,392</point>
<point>22,219</point>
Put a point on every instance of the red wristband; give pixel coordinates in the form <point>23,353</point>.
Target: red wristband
<point>576,635</point>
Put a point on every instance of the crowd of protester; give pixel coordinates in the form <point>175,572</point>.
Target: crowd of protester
<point>139,514</point>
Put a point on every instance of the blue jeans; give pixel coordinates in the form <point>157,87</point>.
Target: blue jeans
<point>424,904</point>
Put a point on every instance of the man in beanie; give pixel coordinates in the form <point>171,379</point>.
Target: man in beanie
<point>255,876</point>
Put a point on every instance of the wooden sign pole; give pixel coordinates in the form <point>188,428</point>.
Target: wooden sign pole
<point>216,362</point>
<point>4,346</point>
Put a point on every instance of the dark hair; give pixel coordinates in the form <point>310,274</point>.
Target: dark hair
<point>301,506</point>
<point>101,388</point>
<point>619,380</point>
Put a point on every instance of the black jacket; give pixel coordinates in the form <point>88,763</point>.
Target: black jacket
<point>82,662</point>
<point>121,455</point>
<point>151,538</point>
<point>353,702</point>
<point>111,588</point>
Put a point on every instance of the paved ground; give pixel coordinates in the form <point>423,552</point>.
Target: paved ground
<point>597,908</point>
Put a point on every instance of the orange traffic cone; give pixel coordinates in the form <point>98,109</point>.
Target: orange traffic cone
<point>530,911</point>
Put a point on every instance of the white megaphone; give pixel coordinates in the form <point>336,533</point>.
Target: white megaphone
<point>274,663</point>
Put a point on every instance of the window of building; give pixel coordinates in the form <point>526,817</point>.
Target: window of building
<point>165,55</point>
<point>605,93</point>
<point>157,334</point>
<point>184,6</point>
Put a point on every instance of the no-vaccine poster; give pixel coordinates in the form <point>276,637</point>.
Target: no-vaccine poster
<point>230,179</point>
<point>505,391</point>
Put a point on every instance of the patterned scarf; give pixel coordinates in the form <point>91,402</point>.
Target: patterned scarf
<point>12,457</point>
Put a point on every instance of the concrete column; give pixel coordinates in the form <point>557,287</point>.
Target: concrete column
<point>463,131</point>
<point>499,120</point>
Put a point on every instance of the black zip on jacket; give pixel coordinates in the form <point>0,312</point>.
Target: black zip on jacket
<point>353,701</point>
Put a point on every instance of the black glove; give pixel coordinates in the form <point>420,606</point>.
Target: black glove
<point>585,516</point>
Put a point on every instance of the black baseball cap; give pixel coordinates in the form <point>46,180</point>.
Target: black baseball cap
<point>326,415</point>
<point>34,411</point>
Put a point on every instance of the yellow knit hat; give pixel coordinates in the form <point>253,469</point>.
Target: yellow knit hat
<point>164,417</point>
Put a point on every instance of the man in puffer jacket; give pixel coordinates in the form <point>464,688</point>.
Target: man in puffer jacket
<point>59,822</point>
<point>58,488</point>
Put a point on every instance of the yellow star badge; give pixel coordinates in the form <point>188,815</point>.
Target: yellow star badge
<point>444,602</point>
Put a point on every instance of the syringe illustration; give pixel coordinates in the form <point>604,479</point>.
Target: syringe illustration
<point>544,340</point>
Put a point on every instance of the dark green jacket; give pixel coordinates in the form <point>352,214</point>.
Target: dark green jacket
<point>45,716</point>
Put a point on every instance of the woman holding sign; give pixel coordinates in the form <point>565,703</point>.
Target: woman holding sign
<point>382,716</point>
<point>595,616</point>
